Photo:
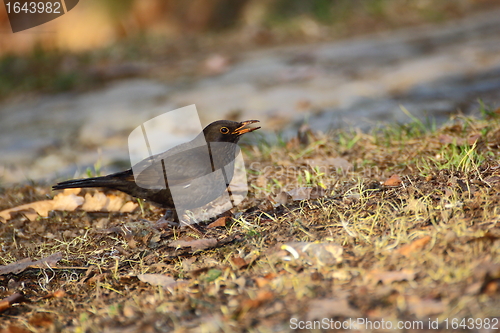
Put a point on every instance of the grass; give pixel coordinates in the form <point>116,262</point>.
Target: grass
<point>427,248</point>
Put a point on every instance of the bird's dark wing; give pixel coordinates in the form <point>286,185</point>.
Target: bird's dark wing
<point>179,168</point>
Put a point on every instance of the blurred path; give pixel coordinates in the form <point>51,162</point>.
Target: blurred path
<point>433,70</point>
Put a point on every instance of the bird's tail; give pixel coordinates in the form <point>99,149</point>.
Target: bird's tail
<point>105,181</point>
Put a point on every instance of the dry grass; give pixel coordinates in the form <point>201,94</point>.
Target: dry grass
<point>428,248</point>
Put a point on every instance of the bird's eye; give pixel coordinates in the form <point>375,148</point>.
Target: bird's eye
<point>224,130</point>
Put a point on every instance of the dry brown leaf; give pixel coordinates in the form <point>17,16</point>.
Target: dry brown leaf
<point>12,299</point>
<point>199,244</point>
<point>19,266</point>
<point>388,277</point>
<point>165,281</point>
<point>239,262</point>
<point>69,201</point>
<point>220,222</point>
<point>129,207</point>
<point>262,297</point>
<point>414,246</point>
<point>61,201</point>
<point>115,203</point>
<point>393,180</point>
<point>107,203</point>
<point>261,282</point>
<point>95,203</point>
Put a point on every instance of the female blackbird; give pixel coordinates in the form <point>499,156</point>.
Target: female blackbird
<point>187,176</point>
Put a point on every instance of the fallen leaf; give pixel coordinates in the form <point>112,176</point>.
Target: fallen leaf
<point>261,282</point>
<point>199,244</point>
<point>99,202</point>
<point>165,281</point>
<point>69,201</point>
<point>12,299</point>
<point>249,304</point>
<point>19,266</point>
<point>94,203</point>
<point>129,207</point>
<point>220,222</point>
<point>156,279</point>
<point>115,203</point>
<point>61,201</point>
<point>388,277</point>
<point>239,262</point>
<point>414,246</point>
<point>393,180</point>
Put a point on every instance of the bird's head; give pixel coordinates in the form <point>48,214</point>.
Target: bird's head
<point>227,130</point>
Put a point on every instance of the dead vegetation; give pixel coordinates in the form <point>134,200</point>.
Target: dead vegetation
<point>397,225</point>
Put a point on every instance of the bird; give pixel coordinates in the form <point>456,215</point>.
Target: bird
<point>184,177</point>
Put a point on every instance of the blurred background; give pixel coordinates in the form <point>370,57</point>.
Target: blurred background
<point>71,90</point>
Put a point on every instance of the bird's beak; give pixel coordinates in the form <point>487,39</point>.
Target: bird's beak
<point>241,130</point>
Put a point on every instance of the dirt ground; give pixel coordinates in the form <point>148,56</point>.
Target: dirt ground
<point>394,230</point>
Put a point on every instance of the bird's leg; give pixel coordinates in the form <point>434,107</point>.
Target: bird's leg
<point>163,222</point>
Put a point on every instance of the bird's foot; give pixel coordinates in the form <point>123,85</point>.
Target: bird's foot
<point>168,220</point>
<point>163,223</point>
